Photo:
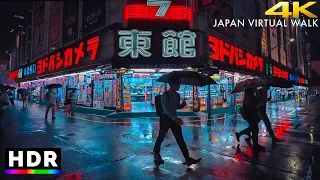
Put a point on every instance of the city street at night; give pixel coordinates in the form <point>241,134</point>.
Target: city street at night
<point>98,148</point>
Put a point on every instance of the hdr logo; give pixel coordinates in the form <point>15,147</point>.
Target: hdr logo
<point>32,161</point>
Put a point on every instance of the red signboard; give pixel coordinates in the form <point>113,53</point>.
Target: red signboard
<point>232,55</point>
<point>145,12</point>
<point>302,80</point>
<point>68,57</point>
<point>277,72</point>
<point>167,14</point>
<point>14,75</point>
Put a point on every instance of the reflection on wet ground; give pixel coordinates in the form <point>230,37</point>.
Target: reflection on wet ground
<point>94,147</point>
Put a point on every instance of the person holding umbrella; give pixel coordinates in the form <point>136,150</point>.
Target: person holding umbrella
<point>51,98</point>
<point>262,106</point>
<point>170,103</point>
<point>11,96</point>
<point>25,96</point>
<point>249,110</point>
<point>73,98</point>
<point>4,103</point>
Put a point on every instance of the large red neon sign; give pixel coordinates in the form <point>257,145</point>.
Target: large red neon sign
<point>145,12</point>
<point>223,51</point>
<point>69,57</point>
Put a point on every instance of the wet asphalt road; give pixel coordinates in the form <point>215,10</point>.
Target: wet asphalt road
<point>96,148</point>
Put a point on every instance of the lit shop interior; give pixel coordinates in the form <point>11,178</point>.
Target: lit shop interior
<point>139,87</point>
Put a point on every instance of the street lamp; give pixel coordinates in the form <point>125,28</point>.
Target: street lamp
<point>290,40</point>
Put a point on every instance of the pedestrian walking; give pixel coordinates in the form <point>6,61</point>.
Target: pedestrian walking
<point>25,96</point>
<point>11,96</point>
<point>51,98</point>
<point>283,95</point>
<point>170,102</point>
<point>73,99</point>
<point>262,108</point>
<point>249,113</point>
<point>4,103</point>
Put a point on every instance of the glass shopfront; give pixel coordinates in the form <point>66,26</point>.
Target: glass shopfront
<point>138,90</point>
<point>221,92</point>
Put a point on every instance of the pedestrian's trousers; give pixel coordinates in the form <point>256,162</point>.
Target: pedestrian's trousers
<point>165,124</point>
<point>263,115</point>
<point>12,101</point>
<point>53,109</point>
<point>253,119</point>
<point>72,106</point>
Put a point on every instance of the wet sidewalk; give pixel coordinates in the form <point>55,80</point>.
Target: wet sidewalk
<point>97,148</point>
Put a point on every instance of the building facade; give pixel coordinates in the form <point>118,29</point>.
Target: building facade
<point>112,53</point>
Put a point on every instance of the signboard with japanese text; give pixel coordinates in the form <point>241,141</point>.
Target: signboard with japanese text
<point>54,24</point>
<point>274,69</point>
<point>228,55</point>
<point>85,53</point>
<point>308,55</point>
<point>119,99</point>
<point>70,21</point>
<point>159,49</point>
<point>94,16</point>
<point>38,31</point>
<point>161,14</point>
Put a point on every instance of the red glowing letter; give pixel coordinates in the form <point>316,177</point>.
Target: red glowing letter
<point>249,60</point>
<point>68,57</point>
<point>59,61</point>
<point>45,64</point>
<point>214,45</point>
<point>79,52</point>
<point>39,67</point>
<point>223,50</point>
<point>51,63</point>
<point>92,45</point>
<point>240,61</point>
<point>260,63</point>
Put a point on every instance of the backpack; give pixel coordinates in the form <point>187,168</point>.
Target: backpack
<point>158,103</point>
<point>47,96</point>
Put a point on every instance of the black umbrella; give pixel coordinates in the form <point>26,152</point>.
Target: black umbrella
<point>71,89</point>
<point>278,82</point>
<point>187,78</point>
<point>21,91</point>
<point>52,86</point>
<point>9,87</point>
<point>247,84</point>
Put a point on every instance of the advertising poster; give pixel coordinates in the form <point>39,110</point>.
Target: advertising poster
<point>70,21</point>
<point>38,32</point>
<point>54,24</point>
<point>119,106</point>
<point>196,100</point>
<point>94,16</point>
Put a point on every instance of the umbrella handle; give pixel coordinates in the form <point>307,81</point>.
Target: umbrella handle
<point>184,94</point>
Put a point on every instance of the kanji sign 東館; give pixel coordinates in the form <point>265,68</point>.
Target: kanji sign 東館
<point>174,44</point>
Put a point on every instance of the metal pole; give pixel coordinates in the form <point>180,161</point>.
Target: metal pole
<point>209,102</point>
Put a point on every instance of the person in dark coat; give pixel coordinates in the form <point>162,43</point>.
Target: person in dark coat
<point>249,113</point>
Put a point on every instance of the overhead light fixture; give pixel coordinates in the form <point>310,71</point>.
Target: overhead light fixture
<point>144,70</point>
<point>292,40</point>
<point>169,70</point>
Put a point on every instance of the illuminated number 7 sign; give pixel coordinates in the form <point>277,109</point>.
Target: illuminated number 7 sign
<point>164,6</point>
